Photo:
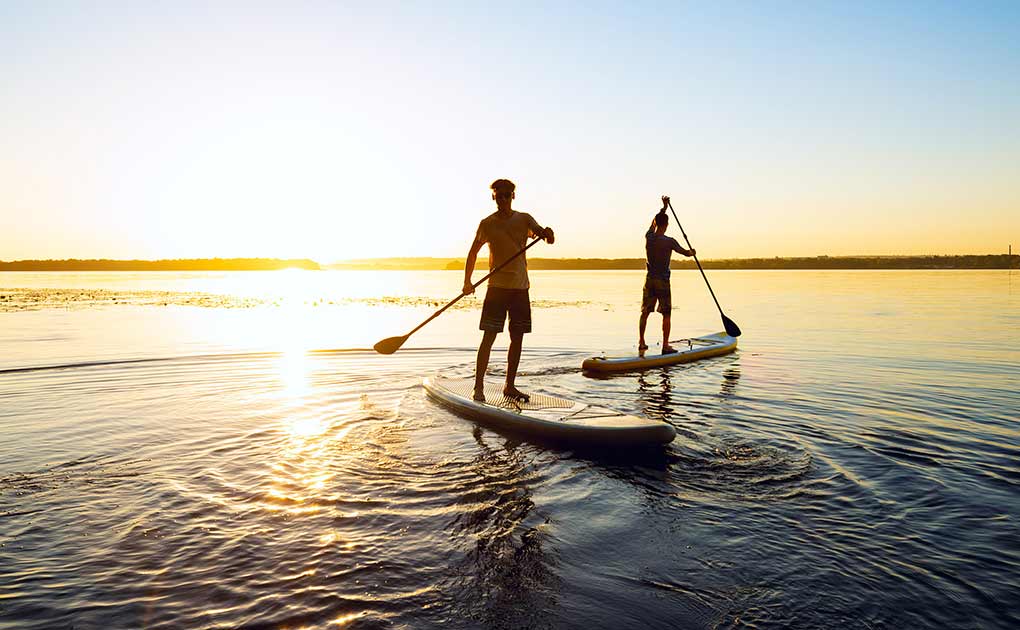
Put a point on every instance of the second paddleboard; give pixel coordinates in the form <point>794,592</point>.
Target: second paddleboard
<point>688,350</point>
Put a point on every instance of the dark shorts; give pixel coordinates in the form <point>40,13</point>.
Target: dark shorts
<point>656,290</point>
<point>499,302</point>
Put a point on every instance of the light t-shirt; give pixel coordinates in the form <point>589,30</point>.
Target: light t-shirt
<point>506,237</point>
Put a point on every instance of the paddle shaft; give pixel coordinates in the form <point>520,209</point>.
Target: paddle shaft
<point>473,286</point>
<point>689,246</point>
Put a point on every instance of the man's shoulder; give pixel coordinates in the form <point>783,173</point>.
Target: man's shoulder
<point>487,221</point>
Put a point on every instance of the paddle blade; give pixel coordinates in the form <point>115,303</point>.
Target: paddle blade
<point>731,327</point>
<point>390,345</point>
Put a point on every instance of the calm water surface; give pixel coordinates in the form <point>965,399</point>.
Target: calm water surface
<point>213,450</point>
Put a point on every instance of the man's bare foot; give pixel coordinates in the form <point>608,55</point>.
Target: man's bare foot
<point>642,345</point>
<point>513,393</point>
<point>479,394</point>
<point>669,350</point>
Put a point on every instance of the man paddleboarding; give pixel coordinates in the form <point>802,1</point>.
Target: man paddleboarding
<point>658,250</point>
<point>506,232</point>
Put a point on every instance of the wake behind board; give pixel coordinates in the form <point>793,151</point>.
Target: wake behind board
<point>689,350</point>
<point>547,416</point>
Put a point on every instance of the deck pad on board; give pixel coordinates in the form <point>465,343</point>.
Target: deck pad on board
<point>494,396</point>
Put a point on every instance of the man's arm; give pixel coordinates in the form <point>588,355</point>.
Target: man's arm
<point>665,203</point>
<point>538,230</point>
<point>469,265</point>
<point>680,250</point>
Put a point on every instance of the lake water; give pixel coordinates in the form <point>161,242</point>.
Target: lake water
<point>219,450</point>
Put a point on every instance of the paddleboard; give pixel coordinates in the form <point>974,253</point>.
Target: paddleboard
<point>688,350</point>
<point>548,417</point>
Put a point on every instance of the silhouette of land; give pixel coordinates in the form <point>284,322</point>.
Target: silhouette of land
<point>398,264</point>
<point>177,264</point>
<point>987,261</point>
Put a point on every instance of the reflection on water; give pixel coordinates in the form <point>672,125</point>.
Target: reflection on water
<point>731,377</point>
<point>857,473</point>
<point>505,578</point>
<point>656,387</point>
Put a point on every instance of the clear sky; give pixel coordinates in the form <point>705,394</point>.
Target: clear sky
<point>331,131</point>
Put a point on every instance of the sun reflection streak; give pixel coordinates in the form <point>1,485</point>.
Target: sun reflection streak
<point>346,619</point>
<point>302,476</point>
<point>294,372</point>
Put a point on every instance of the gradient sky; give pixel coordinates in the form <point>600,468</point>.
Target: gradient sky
<point>332,131</point>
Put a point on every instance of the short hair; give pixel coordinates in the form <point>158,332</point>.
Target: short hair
<point>501,185</point>
<point>661,219</point>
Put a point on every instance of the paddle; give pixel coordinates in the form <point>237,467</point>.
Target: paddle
<point>731,327</point>
<point>392,344</point>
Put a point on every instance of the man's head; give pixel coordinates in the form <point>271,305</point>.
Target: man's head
<point>503,193</point>
<point>661,221</point>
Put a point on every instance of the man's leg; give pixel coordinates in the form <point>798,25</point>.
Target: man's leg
<point>665,307</point>
<point>482,363</point>
<point>647,306</point>
<point>520,323</point>
<point>641,330</point>
<point>491,324</point>
<point>513,359</point>
<point>666,348</point>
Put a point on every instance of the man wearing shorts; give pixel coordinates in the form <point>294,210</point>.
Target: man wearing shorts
<point>507,233</point>
<point>658,249</point>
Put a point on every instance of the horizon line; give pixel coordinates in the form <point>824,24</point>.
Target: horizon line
<point>272,259</point>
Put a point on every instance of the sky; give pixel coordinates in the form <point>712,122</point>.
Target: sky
<point>334,130</point>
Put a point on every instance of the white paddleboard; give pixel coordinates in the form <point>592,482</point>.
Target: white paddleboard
<point>688,350</point>
<point>547,416</point>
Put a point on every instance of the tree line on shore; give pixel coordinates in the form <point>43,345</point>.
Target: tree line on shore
<point>177,264</point>
<point>993,261</point>
<point>987,261</point>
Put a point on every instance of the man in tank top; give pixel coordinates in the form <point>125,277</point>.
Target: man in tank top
<point>658,250</point>
<point>506,232</point>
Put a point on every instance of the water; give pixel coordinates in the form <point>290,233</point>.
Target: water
<point>213,450</point>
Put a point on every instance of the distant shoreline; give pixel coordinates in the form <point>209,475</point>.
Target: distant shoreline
<point>177,264</point>
<point>986,261</point>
